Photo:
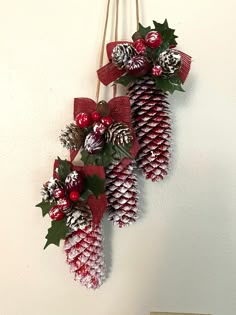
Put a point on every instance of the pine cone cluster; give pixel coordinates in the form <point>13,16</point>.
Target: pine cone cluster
<point>93,143</point>
<point>121,54</point>
<point>152,125</point>
<point>79,216</point>
<point>122,194</point>
<point>72,137</point>
<point>118,133</point>
<point>84,251</point>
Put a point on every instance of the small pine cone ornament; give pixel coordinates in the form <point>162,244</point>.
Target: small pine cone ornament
<point>118,134</point>
<point>48,189</point>
<point>79,216</point>
<point>121,54</point>
<point>72,137</point>
<point>170,62</point>
<point>121,193</point>
<point>93,143</point>
<point>84,252</point>
<point>152,125</point>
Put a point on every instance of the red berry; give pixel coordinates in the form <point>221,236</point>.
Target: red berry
<point>140,46</point>
<point>74,195</point>
<point>95,116</point>
<point>107,121</point>
<point>56,214</point>
<point>153,39</point>
<point>58,193</point>
<point>99,128</point>
<point>137,66</point>
<point>83,120</point>
<point>157,71</point>
<point>63,203</point>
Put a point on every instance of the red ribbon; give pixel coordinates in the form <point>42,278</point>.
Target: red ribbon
<point>120,111</point>
<point>97,205</point>
<point>110,73</point>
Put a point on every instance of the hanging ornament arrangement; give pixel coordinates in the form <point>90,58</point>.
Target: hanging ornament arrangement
<point>111,137</point>
<point>150,67</point>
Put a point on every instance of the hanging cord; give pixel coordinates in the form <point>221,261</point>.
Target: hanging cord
<point>116,37</point>
<point>102,48</point>
<point>137,14</point>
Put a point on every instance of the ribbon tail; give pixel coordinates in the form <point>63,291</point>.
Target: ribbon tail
<point>73,154</point>
<point>185,66</point>
<point>109,73</point>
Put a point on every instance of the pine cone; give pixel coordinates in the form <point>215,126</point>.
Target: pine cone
<point>121,54</point>
<point>93,143</point>
<point>118,133</point>
<point>72,137</point>
<point>79,216</point>
<point>170,62</point>
<point>152,125</point>
<point>121,193</point>
<point>84,251</point>
<point>48,189</point>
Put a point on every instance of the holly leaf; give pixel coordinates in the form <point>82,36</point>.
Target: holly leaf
<point>167,34</point>
<point>95,185</point>
<point>64,169</point>
<point>45,206</point>
<point>103,158</point>
<point>85,194</point>
<point>143,30</point>
<point>122,151</point>
<point>169,84</point>
<point>58,231</point>
<point>126,79</point>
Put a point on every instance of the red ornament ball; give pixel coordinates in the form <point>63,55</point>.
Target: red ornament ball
<point>56,214</point>
<point>95,116</point>
<point>140,46</point>
<point>58,193</point>
<point>137,66</point>
<point>63,203</point>
<point>107,121</point>
<point>83,120</point>
<point>156,71</point>
<point>99,128</point>
<point>74,195</point>
<point>153,39</point>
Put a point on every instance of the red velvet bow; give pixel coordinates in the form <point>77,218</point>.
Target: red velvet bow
<point>110,73</point>
<point>120,111</point>
<point>97,205</point>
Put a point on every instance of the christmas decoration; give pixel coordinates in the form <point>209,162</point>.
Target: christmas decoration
<point>157,68</point>
<point>84,251</point>
<point>78,216</point>
<point>83,120</point>
<point>118,133</point>
<point>121,54</point>
<point>93,143</point>
<point>72,137</point>
<point>121,192</point>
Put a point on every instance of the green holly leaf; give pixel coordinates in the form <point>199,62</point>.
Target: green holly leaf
<point>143,30</point>
<point>103,158</point>
<point>126,79</point>
<point>122,151</point>
<point>167,34</point>
<point>58,231</point>
<point>169,84</point>
<point>85,194</point>
<point>64,169</point>
<point>45,206</point>
<point>95,185</point>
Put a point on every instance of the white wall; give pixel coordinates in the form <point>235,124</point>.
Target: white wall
<point>181,255</point>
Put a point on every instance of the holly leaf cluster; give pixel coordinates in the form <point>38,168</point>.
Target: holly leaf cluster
<point>94,185</point>
<point>170,84</point>
<point>64,169</point>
